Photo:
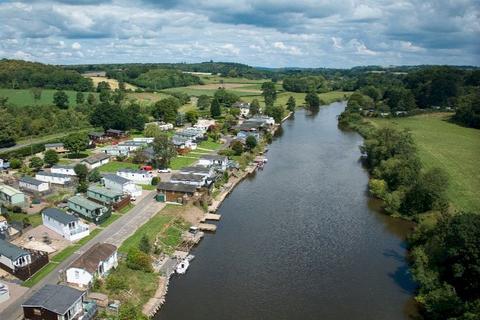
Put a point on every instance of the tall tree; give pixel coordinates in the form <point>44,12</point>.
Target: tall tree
<point>203,102</point>
<point>50,157</point>
<point>76,142</point>
<point>254,107</point>
<point>215,109</point>
<point>80,98</point>
<point>312,101</point>
<point>60,99</point>
<point>166,109</point>
<point>269,93</point>
<point>164,150</point>
<point>291,104</point>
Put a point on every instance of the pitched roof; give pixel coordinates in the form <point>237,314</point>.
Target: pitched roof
<point>104,191</point>
<point>85,203</point>
<point>9,190</point>
<point>31,180</point>
<point>55,298</point>
<point>53,174</point>
<point>176,187</point>
<point>196,169</point>
<point>63,166</point>
<point>53,145</point>
<point>115,178</point>
<point>59,215</point>
<point>11,251</point>
<point>90,260</point>
<point>96,158</point>
<point>187,177</point>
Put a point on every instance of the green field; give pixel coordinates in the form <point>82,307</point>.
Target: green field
<point>451,147</point>
<point>114,166</point>
<point>24,97</point>
<point>181,162</point>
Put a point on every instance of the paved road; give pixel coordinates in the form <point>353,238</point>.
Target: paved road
<point>115,234</point>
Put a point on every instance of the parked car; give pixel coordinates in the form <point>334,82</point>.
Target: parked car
<point>164,170</point>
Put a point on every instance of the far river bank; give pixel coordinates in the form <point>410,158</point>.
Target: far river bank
<point>301,239</point>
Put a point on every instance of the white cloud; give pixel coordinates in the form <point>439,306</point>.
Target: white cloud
<point>76,46</point>
<point>337,42</point>
<point>231,48</point>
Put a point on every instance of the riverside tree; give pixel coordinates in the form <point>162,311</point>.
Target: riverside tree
<point>312,101</point>
<point>164,150</point>
<point>291,104</point>
<point>269,93</point>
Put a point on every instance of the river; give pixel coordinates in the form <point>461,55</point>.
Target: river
<point>300,239</point>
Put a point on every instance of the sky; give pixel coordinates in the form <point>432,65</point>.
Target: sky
<point>268,33</point>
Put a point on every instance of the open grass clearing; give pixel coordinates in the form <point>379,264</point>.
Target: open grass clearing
<point>181,162</point>
<point>210,145</point>
<point>453,148</point>
<point>24,97</point>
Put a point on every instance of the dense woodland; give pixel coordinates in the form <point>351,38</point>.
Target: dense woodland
<point>18,74</point>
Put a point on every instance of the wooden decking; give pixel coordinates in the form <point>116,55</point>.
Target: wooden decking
<point>207,227</point>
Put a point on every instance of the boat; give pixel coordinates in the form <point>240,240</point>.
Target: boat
<point>184,264</point>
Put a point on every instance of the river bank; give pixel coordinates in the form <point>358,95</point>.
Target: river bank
<point>155,303</point>
<point>290,246</point>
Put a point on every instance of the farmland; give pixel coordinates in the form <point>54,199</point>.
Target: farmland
<point>453,148</point>
<point>112,82</point>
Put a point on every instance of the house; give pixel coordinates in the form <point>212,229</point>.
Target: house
<point>57,147</point>
<point>207,172</point>
<point>96,262</point>
<point>63,169</point>
<point>204,124</point>
<point>175,192</point>
<point>145,140</point>
<point>115,151</point>
<point>263,119</point>
<point>244,108</point>
<point>53,178</point>
<point>161,125</point>
<point>113,133</point>
<point>121,184</point>
<point>4,164</point>
<point>181,142</point>
<point>97,137</point>
<point>216,161</point>
<point>137,176</point>
<point>104,195</point>
<point>66,225</point>
<point>89,210</point>
<point>96,160</point>
<point>13,257</point>
<point>10,196</point>
<point>58,302</point>
<point>32,184</point>
<point>243,135</point>
<point>189,178</point>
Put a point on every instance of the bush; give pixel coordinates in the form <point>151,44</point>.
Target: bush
<point>138,260</point>
<point>155,181</point>
<point>226,152</point>
<point>237,147</point>
<point>17,209</point>
<point>115,283</point>
<point>36,163</point>
<point>16,163</point>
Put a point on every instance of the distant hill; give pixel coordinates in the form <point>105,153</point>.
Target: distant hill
<point>19,74</point>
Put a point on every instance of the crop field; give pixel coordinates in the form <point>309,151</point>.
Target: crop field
<point>112,82</point>
<point>451,147</point>
<point>24,97</point>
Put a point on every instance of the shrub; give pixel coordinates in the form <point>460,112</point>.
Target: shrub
<point>155,181</point>
<point>16,163</point>
<point>138,260</point>
<point>115,283</point>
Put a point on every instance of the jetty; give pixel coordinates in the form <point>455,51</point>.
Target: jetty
<point>207,227</point>
<point>212,216</point>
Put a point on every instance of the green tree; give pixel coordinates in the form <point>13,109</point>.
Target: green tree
<point>82,186</point>
<point>80,98</point>
<point>138,260</point>
<point>81,171</point>
<point>103,86</point>
<point>36,93</point>
<point>144,244</point>
<point>215,109</point>
<point>312,101</point>
<point>237,147</point>
<point>203,102</point>
<point>276,112</point>
<point>60,99</point>
<point>36,163</point>
<point>254,107</point>
<point>91,100</point>
<point>164,150</point>
<point>192,116</point>
<point>15,163</point>
<point>291,104</point>
<point>105,96</point>
<point>269,93</point>
<point>50,157</point>
<point>76,142</point>
<point>251,142</point>
<point>166,109</point>
<point>152,130</point>
<point>94,176</point>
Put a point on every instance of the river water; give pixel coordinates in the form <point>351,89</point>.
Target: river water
<point>300,239</point>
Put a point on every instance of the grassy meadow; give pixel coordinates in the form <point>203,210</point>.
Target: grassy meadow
<point>24,97</point>
<point>451,147</point>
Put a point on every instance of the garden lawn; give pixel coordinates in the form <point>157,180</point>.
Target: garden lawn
<point>35,219</point>
<point>451,147</point>
<point>181,162</point>
<point>210,144</point>
<point>114,166</point>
